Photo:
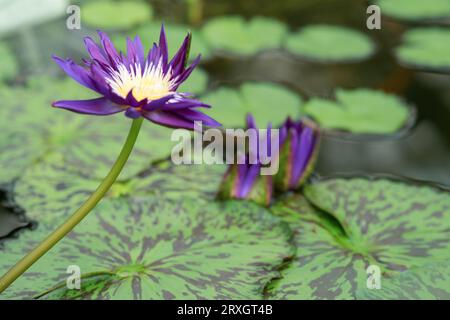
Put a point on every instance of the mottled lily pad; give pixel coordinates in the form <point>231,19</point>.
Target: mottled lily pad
<point>391,224</point>
<point>415,10</point>
<point>328,43</point>
<point>362,111</point>
<point>183,249</point>
<point>149,33</point>
<point>8,67</point>
<point>426,49</point>
<point>268,102</point>
<point>429,282</point>
<point>87,145</point>
<point>232,34</point>
<point>50,191</point>
<point>106,14</point>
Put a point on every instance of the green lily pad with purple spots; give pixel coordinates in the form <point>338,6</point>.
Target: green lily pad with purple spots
<point>152,249</point>
<point>49,192</point>
<point>350,224</point>
<point>88,145</point>
<point>429,282</point>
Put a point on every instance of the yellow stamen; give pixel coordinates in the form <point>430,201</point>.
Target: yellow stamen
<point>150,84</point>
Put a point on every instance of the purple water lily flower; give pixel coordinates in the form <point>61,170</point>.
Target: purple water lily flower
<point>243,180</point>
<point>139,85</point>
<point>298,151</point>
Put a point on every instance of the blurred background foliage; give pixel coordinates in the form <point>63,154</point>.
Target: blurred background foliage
<point>275,42</point>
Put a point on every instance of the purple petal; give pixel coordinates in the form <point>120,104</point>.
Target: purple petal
<point>109,48</point>
<point>99,106</point>
<point>303,153</point>
<point>75,71</point>
<point>163,45</point>
<point>249,180</point>
<point>178,63</point>
<point>94,50</point>
<point>169,119</point>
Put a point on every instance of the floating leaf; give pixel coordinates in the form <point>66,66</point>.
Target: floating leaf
<point>327,43</point>
<point>232,34</point>
<point>50,191</point>
<point>360,111</point>
<point>185,249</point>
<point>106,14</point>
<point>429,282</point>
<point>8,67</point>
<point>415,9</point>
<point>426,48</point>
<point>149,33</point>
<point>391,224</point>
<point>268,102</point>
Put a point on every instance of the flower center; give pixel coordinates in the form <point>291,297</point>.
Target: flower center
<point>150,83</point>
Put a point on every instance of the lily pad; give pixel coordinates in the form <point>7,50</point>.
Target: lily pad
<point>86,145</point>
<point>149,33</point>
<point>233,34</point>
<point>426,49</point>
<point>106,14</point>
<point>268,102</point>
<point>9,66</point>
<point>332,44</point>
<point>362,111</point>
<point>184,249</point>
<point>50,191</point>
<point>429,282</point>
<point>391,224</point>
<point>415,10</point>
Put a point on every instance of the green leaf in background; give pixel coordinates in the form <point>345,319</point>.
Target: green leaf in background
<point>50,191</point>
<point>196,83</point>
<point>86,145</point>
<point>415,9</point>
<point>268,102</point>
<point>394,225</point>
<point>185,249</point>
<point>329,43</point>
<point>360,111</point>
<point>233,34</point>
<point>116,15</point>
<point>9,66</point>
<point>426,48</point>
<point>429,282</point>
<point>149,33</point>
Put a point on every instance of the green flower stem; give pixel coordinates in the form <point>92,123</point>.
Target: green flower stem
<point>26,262</point>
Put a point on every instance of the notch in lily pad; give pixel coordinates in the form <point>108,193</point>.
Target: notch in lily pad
<point>267,102</point>
<point>426,49</point>
<point>363,112</point>
<point>115,15</point>
<point>235,35</point>
<point>350,223</point>
<point>415,10</point>
<point>330,44</point>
